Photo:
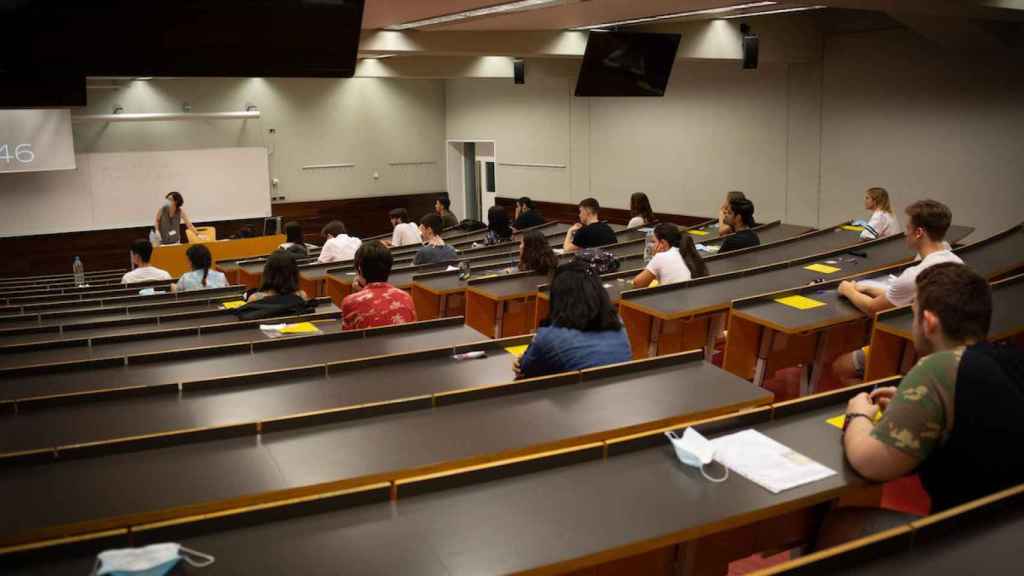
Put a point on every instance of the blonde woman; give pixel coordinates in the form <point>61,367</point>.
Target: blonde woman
<point>882,222</point>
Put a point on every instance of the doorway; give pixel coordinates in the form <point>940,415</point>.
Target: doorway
<point>471,177</point>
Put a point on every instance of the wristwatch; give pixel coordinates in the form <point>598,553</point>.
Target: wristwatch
<point>852,415</point>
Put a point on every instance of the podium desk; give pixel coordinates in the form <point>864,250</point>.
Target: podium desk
<point>172,256</point>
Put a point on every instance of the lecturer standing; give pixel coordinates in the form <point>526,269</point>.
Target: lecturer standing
<point>169,218</point>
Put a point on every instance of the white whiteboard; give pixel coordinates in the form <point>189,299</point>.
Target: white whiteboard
<point>125,189</point>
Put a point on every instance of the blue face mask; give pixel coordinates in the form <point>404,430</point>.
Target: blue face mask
<point>153,560</point>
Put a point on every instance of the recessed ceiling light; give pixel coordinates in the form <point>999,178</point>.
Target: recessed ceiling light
<point>508,7</point>
<point>780,11</point>
<point>646,19</point>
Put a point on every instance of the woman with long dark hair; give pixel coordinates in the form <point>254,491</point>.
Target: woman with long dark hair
<point>499,228</point>
<point>640,210</point>
<point>201,276</point>
<point>582,329</point>
<point>536,254</point>
<point>169,218</point>
<point>675,258</point>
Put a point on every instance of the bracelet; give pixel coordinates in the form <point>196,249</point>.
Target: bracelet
<point>851,416</point>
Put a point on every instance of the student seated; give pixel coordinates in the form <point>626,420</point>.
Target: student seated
<point>740,218</point>
<point>405,233</point>
<point>201,276</point>
<point>590,231</point>
<point>294,244</point>
<point>927,223</point>
<point>498,228</point>
<point>338,245</point>
<point>434,249</point>
<point>536,254</point>
<point>376,303</point>
<point>956,416</point>
<point>443,208</point>
<point>142,250</point>
<point>582,329</point>
<point>675,258</point>
<point>640,210</point>
<point>280,278</point>
<point>724,222</point>
<point>526,215</point>
<point>882,222</point>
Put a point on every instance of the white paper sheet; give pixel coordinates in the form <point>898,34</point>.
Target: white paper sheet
<point>881,282</point>
<point>766,462</point>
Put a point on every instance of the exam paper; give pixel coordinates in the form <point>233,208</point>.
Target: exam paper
<point>881,282</point>
<point>766,462</point>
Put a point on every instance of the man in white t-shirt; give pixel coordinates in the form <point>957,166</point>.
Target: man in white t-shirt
<point>142,250</point>
<point>338,245</point>
<point>405,233</point>
<point>927,223</point>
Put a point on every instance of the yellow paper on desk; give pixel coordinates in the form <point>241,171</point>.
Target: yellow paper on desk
<point>698,232</point>
<point>853,228</point>
<point>517,351</point>
<point>231,305</point>
<point>800,302</point>
<point>840,420</point>
<point>824,269</point>
<point>300,328</point>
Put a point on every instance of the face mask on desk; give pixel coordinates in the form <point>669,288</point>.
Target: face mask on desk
<point>693,449</point>
<point>152,560</point>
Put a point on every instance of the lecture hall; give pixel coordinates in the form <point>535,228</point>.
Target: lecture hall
<point>539,287</point>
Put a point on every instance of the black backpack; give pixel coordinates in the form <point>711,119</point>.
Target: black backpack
<point>597,261</point>
<point>469,225</point>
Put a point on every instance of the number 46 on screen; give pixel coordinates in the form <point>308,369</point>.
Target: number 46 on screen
<point>22,153</point>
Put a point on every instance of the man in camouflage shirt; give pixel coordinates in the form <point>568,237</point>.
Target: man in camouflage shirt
<point>958,376</point>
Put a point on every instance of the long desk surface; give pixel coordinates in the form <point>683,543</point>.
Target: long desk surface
<point>187,302</point>
<point>5,280</point>
<point>89,302</point>
<point>127,487</point>
<point>562,517</point>
<point>355,385</point>
<point>176,367</point>
<point>989,258</point>
<point>327,318</point>
<point>716,292</point>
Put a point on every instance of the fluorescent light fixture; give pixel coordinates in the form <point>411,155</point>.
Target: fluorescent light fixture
<point>781,11</point>
<point>377,56</point>
<point>144,78</point>
<point>505,8</point>
<point>646,19</point>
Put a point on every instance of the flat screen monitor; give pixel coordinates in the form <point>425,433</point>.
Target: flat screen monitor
<point>627,64</point>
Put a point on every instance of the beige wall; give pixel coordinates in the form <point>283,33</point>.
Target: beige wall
<point>898,115</point>
<point>719,128</point>
<point>392,127</point>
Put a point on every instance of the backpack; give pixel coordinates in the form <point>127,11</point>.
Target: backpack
<point>273,306</point>
<point>469,225</point>
<point>597,261</point>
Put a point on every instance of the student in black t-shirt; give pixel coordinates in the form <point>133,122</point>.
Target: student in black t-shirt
<point>740,216</point>
<point>526,215</point>
<point>590,231</point>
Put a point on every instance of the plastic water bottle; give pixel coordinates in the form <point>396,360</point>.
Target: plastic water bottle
<point>79,271</point>
<point>648,240</point>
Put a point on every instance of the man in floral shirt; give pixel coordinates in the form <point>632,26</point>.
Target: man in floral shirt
<point>376,303</point>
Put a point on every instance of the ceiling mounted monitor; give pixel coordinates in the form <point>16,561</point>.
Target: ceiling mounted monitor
<point>230,38</point>
<point>627,64</point>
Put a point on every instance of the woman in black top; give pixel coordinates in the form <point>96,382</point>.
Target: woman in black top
<point>498,229</point>
<point>740,216</point>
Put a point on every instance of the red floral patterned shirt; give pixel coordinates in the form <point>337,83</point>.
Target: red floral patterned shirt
<point>378,304</point>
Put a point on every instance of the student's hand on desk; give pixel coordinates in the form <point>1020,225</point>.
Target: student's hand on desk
<point>882,396</point>
<point>847,287</point>
<point>862,404</point>
<point>517,368</point>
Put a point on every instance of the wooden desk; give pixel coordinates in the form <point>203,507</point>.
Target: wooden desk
<point>664,319</point>
<point>625,505</point>
<point>504,306</point>
<point>43,278</point>
<point>892,340</point>
<point>22,289</point>
<point>172,257</point>
<point>765,335</point>
<point>74,348</point>
<point>100,292</point>
<point>131,373</point>
<point>338,283</point>
<point>88,302</point>
<point>303,456</point>
<point>980,537</point>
